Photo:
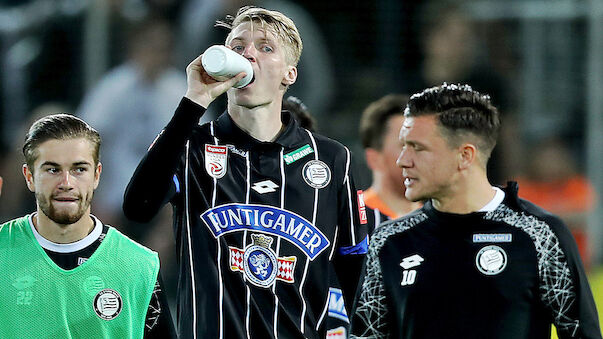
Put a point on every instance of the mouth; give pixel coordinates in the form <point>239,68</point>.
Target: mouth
<point>409,181</point>
<point>65,199</point>
<point>249,84</point>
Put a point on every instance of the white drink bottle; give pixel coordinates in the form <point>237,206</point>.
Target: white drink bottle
<point>222,63</point>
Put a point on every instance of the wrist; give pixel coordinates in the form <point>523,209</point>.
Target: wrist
<point>198,99</point>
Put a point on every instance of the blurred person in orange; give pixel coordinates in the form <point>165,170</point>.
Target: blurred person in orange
<point>553,181</point>
<point>380,125</point>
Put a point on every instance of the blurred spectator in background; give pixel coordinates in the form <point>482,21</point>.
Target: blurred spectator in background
<point>454,52</point>
<point>17,199</point>
<point>300,113</point>
<point>315,81</point>
<point>129,105</point>
<point>379,130</point>
<point>554,182</point>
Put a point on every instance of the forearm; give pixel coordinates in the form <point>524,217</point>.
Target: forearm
<point>150,186</point>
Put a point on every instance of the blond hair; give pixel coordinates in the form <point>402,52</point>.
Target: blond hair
<point>273,21</point>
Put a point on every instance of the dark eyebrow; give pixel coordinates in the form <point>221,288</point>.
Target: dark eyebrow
<point>54,164</point>
<point>49,163</point>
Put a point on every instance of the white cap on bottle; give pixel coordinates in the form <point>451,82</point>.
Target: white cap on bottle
<point>222,63</point>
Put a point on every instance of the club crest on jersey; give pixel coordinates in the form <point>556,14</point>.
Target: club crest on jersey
<point>491,260</point>
<point>272,220</point>
<point>215,160</point>
<point>316,174</point>
<point>259,263</point>
<point>107,304</point>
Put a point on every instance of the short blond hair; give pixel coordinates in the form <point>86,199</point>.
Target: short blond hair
<point>275,22</point>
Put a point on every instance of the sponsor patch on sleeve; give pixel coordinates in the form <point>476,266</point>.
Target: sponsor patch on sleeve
<point>361,207</point>
<point>337,305</point>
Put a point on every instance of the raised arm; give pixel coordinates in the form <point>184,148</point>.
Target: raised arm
<point>151,186</point>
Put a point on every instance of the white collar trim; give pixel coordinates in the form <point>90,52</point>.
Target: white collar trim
<point>70,247</point>
<point>499,196</point>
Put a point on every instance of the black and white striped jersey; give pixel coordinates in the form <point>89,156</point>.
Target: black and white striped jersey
<point>507,273</point>
<point>270,235</point>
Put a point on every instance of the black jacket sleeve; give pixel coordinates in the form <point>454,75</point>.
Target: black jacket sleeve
<point>151,186</point>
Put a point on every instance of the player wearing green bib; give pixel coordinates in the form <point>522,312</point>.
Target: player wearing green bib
<point>64,273</point>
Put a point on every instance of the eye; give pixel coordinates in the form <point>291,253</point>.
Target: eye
<point>267,49</point>
<point>80,170</point>
<point>52,170</point>
<point>238,48</point>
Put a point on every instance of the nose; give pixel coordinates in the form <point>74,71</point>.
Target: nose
<point>403,160</point>
<point>66,181</point>
<point>249,52</point>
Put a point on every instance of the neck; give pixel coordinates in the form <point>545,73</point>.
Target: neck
<point>262,122</point>
<point>469,195</point>
<point>63,234</point>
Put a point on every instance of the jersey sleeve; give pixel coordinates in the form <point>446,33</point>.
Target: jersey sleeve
<point>158,322</point>
<point>369,319</point>
<point>154,183</point>
<point>352,240</point>
<point>564,287</point>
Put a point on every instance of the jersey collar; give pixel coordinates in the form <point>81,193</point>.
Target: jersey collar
<point>71,247</point>
<point>228,131</point>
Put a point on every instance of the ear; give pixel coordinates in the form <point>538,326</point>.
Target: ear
<point>467,156</point>
<point>373,159</point>
<point>97,173</point>
<point>28,175</point>
<point>290,76</point>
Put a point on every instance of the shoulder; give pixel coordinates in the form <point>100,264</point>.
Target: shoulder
<point>131,245</point>
<point>394,227</point>
<point>13,224</point>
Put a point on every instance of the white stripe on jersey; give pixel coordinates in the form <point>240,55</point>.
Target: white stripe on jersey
<point>190,239</point>
<point>247,289</point>
<point>314,211</point>
<point>334,242</point>
<point>278,243</point>
<point>347,182</point>
<point>322,314</point>
<point>219,246</point>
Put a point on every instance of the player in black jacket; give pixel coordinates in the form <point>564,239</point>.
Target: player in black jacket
<point>476,261</point>
<point>269,229</point>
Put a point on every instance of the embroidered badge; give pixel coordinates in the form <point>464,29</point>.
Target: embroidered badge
<point>361,207</point>
<point>493,237</point>
<point>337,305</point>
<point>259,263</point>
<point>272,220</point>
<point>235,150</point>
<point>491,260</point>
<point>215,160</point>
<point>299,153</point>
<point>107,304</point>
<point>316,174</point>
<point>336,333</point>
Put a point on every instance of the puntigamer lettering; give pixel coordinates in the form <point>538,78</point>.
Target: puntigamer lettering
<point>267,219</point>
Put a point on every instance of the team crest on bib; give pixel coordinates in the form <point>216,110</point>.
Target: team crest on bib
<point>491,260</point>
<point>215,160</point>
<point>107,304</point>
<point>316,174</point>
<point>259,263</point>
